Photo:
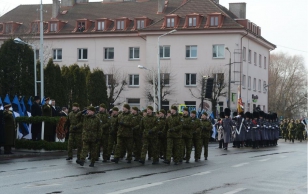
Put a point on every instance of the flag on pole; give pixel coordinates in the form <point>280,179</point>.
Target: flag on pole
<point>23,128</point>
<point>23,106</point>
<point>7,100</point>
<point>43,101</point>
<point>240,107</point>
<point>29,105</point>
<point>1,104</point>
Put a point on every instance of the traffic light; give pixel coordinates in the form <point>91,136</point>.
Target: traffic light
<point>209,88</point>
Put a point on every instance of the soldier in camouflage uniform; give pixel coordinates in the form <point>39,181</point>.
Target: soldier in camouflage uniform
<point>196,128</point>
<point>292,130</point>
<point>137,133</point>
<point>124,135</point>
<point>162,133</point>
<point>91,136</point>
<point>187,135</point>
<point>284,131</point>
<point>74,122</point>
<point>104,117</point>
<point>300,128</point>
<point>150,140</point>
<point>174,137</point>
<point>206,127</point>
<point>113,130</point>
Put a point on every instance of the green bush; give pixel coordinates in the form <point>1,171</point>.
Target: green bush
<point>38,145</point>
<point>52,120</point>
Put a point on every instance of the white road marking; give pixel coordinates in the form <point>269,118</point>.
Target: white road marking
<point>239,165</point>
<point>41,185</point>
<point>264,160</point>
<point>235,191</point>
<point>156,184</point>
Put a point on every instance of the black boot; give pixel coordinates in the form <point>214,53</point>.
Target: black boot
<point>81,163</point>
<point>141,161</point>
<point>69,158</point>
<point>115,160</point>
<point>166,161</point>
<point>92,164</point>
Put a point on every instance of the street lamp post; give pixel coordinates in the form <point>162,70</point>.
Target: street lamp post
<point>41,50</point>
<point>154,97</point>
<point>19,41</point>
<point>158,65</point>
<point>229,84</point>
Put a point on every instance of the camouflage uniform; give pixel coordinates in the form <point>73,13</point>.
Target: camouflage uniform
<point>91,135</point>
<point>149,127</point>
<point>174,138</point>
<point>113,130</point>
<point>124,136</point>
<point>206,127</point>
<point>9,131</point>
<point>292,131</point>
<point>196,141</point>
<point>137,135</point>
<point>284,131</point>
<point>162,136</point>
<point>104,117</point>
<point>74,121</point>
<point>300,128</point>
<point>187,137</point>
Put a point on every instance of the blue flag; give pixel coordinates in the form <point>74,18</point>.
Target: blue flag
<point>0,101</point>
<point>43,101</point>
<point>23,128</point>
<point>29,105</point>
<point>23,106</point>
<point>7,100</point>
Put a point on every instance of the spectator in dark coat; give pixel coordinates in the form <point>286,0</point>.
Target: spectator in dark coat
<point>36,111</point>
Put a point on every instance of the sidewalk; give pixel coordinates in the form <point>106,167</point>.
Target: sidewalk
<point>21,153</point>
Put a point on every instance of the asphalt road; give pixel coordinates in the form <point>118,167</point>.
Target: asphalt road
<point>281,169</point>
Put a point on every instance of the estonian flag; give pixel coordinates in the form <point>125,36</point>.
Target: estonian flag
<point>29,105</point>
<point>23,128</point>
<point>43,101</point>
<point>6,100</point>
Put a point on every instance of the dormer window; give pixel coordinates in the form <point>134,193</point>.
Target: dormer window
<point>140,24</point>
<point>34,27</point>
<point>53,27</point>
<point>101,25</point>
<point>192,22</point>
<point>1,28</point>
<point>8,28</point>
<point>120,25</point>
<point>170,22</point>
<point>214,20</point>
<point>81,26</point>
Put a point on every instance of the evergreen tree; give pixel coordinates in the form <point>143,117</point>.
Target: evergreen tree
<point>97,89</point>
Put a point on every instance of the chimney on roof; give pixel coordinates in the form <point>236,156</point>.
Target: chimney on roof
<point>161,6</point>
<point>67,3</point>
<point>238,9</point>
<point>55,8</point>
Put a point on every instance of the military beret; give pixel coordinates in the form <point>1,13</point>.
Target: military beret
<point>115,108</point>
<point>163,111</point>
<point>185,109</point>
<point>76,104</point>
<point>204,113</point>
<point>193,112</point>
<point>150,107</point>
<point>174,108</point>
<point>126,106</point>
<point>135,108</point>
<point>144,110</point>
<point>91,108</point>
<point>168,111</point>
<point>46,99</point>
<point>7,106</point>
<point>103,105</point>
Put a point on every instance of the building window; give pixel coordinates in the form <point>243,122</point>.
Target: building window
<point>218,78</point>
<point>165,77</point>
<point>219,51</point>
<point>140,24</point>
<point>165,105</point>
<point>264,86</point>
<point>170,22</point>
<point>192,22</point>
<point>265,62</point>
<point>191,51</point>
<point>254,84</point>
<point>259,86</point>
<point>57,54</point>
<point>244,53</point>
<point>82,54</point>
<point>134,80</point>
<point>1,28</point>
<point>249,83</point>
<point>260,60</point>
<point>248,107</point>
<point>244,81</point>
<point>101,25</point>
<point>164,51</point>
<point>191,105</point>
<point>35,28</point>
<point>81,26</point>
<point>134,53</point>
<point>255,58</point>
<point>120,25</point>
<point>191,79</point>
<point>214,21</point>
<point>53,27</point>
<point>249,56</point>
<point>134,102</point>
<point>109,53</point>
<point>37,51</point>
<point>109,79</point>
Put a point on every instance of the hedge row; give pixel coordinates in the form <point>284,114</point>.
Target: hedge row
<point>52,120</point>
<point>38,145</point>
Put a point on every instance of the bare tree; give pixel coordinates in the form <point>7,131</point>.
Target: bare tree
<point>116,84</point>
<point>287,85</point>
<point>218,73</point>
<point>166,84</point>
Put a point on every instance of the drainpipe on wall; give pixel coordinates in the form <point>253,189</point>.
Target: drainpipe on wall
<point>241,67</point>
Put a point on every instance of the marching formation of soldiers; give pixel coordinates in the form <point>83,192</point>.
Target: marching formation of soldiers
<point>293,129</point>
<point>165,135</point>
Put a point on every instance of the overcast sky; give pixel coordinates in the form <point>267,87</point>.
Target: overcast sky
<point>283,22</point>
